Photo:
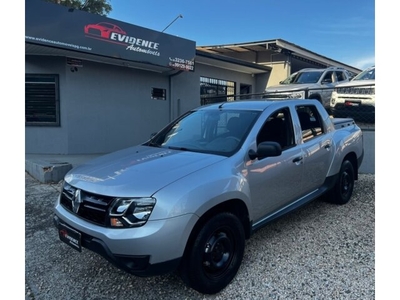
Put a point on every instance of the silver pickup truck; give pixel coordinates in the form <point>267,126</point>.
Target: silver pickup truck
<point>189,197</point>
<point>309,83</point>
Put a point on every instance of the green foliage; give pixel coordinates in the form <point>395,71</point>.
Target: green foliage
<point>99,7</point>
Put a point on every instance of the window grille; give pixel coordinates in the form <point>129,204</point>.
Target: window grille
<point>42,102</point>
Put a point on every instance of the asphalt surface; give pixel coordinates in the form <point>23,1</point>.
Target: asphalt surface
<point>321,251</point>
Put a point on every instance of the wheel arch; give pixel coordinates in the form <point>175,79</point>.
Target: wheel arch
<point>234,206</point>
<point>352,157</point>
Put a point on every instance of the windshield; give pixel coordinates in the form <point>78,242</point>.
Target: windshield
<point>208,131</point>
<point>303,77</point>
<point>366,74</point>
<point>290,79</point>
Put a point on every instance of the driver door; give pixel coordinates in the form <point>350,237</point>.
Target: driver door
<point>275,182</point>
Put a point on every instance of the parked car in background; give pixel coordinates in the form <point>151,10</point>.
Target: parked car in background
<point>356,98</point>
<point>310,83</point>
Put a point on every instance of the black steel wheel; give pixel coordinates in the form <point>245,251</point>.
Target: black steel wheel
<point>214,257</point>
<point>343,189</point>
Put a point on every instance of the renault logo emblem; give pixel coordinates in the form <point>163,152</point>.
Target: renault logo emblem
<point>76,202</point>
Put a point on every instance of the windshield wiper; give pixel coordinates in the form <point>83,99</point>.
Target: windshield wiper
<point>178,148</point>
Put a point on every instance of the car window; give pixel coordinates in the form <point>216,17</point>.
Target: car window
<point>308,77</point>
<point>328,77</point>
<point>340,76</point>
<point>290,79</point>
<point>209,131</point>
<point>310,122</point>
<point>278,128</point>
<point>366,75</point>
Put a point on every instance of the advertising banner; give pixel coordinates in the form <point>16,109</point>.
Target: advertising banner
<point>62,27</point>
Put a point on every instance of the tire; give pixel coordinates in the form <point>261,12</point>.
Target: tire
<point>214,257</point>
<point>343,189</point>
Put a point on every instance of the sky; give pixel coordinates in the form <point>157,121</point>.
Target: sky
<point>341,30</point>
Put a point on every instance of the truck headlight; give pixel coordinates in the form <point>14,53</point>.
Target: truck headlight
<point>131,212</point>
<point>297,95</point>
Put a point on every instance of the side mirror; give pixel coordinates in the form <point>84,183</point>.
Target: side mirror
<point>266,149</point>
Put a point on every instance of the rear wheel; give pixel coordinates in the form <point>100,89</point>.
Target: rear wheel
<point>343,189</point>
<point>214,257</point>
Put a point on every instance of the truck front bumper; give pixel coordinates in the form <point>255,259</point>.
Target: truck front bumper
<point>153,249</point>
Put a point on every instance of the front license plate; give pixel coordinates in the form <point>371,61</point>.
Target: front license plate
<point>351,103</point>
<point>70,236</point>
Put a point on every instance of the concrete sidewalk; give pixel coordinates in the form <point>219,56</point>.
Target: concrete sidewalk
<point>51,168</point>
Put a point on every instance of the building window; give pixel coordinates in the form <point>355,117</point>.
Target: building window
<point>42,102</point>
<point>216,90</point>
<point>158,94</point>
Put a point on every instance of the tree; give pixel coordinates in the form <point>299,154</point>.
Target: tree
<point>100,7</point>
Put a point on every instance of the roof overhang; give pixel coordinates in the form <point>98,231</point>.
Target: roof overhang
<point>277,46</point>
<point>224,62</point>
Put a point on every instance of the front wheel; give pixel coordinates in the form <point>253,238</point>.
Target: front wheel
<point>215,255</point>
<point>343,189</point>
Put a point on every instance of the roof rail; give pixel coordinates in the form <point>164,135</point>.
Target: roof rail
<point>333,67</point>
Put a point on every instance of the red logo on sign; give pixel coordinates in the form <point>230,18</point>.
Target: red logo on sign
<point>103,29</point>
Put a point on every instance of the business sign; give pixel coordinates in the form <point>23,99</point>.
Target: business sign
<point>62,27</point>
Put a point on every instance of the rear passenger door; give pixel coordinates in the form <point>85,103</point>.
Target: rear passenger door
<point>316,144</point>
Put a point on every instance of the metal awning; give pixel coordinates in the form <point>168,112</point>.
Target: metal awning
<point>228,63</point>
<point>279,46</point>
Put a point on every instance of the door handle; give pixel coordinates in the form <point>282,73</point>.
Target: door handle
<point>298,159</point>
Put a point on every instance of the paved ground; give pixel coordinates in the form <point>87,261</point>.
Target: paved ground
<point>321,251</point>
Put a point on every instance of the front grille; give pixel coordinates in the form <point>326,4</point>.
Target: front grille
<point>94,208</point>
<point>356,90</point>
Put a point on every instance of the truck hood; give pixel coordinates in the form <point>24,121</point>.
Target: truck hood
<point>138,171</point>
<point>357,83</point>
<point>289,87</point>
